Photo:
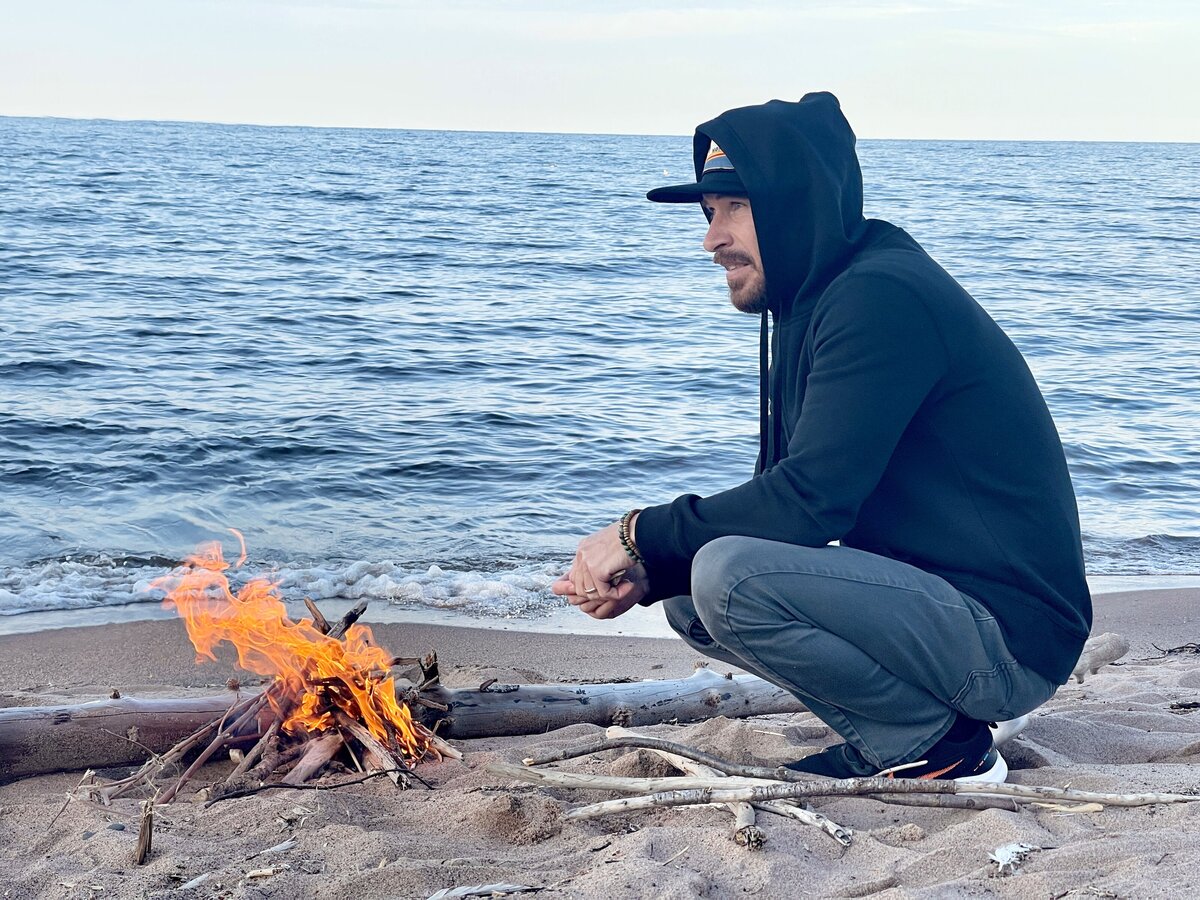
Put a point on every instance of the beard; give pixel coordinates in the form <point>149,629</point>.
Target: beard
<point>750,295</point>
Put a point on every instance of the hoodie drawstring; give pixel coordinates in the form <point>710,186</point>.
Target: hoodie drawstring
<point>764,369</point>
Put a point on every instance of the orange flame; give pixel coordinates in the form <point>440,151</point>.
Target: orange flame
<point>319,672</point>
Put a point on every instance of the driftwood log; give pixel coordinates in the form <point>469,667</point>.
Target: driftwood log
<point>38,739</point>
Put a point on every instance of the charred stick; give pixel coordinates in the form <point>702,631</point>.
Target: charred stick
<point>319,621</point>
<point>429,671</point>
<point>317,753</point>
<point>338,630</point>
<point>376,754</point>
<point>254,753</point>
<point>413,697</point>
<point>281,759</point>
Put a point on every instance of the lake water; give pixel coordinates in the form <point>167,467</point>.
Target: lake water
<point>417,366</point>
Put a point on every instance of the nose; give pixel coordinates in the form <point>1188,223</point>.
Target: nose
<point>717,235</point>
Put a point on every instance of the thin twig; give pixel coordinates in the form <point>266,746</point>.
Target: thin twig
<point>156,764</point>
<point>648,743</point>
<point>219,741</point>
<point>145,842</point>
<point>70,795</point>
<point>255,752</point>
<point>250,791</point>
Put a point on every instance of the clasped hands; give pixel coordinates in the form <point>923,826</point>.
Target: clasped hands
<point>603,581</point>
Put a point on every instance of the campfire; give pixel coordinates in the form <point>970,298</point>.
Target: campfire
<point>332,696</point>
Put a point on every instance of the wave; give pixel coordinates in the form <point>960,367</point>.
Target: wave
<point>95,580</point>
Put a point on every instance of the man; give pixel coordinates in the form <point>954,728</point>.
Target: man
<point>906,559</point>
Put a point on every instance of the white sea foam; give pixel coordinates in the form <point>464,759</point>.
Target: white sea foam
<point>100,581</point>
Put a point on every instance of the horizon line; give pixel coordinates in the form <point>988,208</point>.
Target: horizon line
<point>234,124</point>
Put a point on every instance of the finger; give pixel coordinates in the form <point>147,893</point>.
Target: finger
<point>578,573</point>
<point>585,584</point>
<point>609,609</point>
<point>624,589</point>
<point>588,588</point>
<point>583,604</point>
<point>563,586</point>
<point>598,580</point>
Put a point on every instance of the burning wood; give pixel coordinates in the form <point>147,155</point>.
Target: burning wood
<point>333,690</point>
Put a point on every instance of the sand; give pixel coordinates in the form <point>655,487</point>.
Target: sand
<point>1128,728</point>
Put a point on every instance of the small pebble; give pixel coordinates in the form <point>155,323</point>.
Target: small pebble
<point>88,835</point>
<point>117,826</point>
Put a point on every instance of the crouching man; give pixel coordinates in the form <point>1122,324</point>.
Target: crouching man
<point>906,559</point>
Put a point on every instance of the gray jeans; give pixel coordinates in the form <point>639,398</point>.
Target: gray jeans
<point>882,652</point>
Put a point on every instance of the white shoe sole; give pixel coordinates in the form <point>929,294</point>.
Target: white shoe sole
<point>997,774</point>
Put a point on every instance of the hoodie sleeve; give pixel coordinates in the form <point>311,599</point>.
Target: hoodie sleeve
<point>877,354</point>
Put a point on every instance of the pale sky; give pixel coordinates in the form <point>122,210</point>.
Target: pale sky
<point>1050,69</point>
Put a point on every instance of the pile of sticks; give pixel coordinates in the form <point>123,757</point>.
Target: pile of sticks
<point>709,780</point>
<point>255,721</point>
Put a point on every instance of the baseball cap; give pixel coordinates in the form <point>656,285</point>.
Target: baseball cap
<point>717,177</point>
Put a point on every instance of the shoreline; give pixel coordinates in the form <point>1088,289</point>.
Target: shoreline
<point>638,622</point>
<point>156,654</point>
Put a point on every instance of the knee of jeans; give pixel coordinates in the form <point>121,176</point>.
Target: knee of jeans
<point>711,568</point>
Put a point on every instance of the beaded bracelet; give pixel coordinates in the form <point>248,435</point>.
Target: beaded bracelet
<point>631,549</point>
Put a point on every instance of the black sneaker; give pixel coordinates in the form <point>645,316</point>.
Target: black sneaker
<point>990,768</point>
<point>965,754</point>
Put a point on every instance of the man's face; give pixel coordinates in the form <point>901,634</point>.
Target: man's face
<point>732,241</point>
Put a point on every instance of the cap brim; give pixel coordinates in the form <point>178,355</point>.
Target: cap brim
<point>676,193</point>
<point>724,181</point>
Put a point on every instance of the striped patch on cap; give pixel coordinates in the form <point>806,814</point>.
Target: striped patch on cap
<point>716,161</point>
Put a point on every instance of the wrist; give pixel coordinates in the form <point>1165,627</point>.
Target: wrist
<point>625,532</point>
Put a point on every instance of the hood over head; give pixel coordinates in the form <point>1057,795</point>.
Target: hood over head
<point>798,165</point>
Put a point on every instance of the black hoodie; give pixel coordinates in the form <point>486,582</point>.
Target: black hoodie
<point>902,420</point>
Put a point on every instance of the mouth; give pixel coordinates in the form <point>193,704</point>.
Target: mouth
<point>732,264</point>
<point>736,271</point>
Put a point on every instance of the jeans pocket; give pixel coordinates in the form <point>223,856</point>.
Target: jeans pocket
<point>698,634</point>
<point>987,694</point>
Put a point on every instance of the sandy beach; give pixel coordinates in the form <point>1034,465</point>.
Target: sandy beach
<point>1132,727</point>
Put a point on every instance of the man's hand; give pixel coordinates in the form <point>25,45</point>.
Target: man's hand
<point>599,559</point>
<point>629,590</point>
<point>603,581</point>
